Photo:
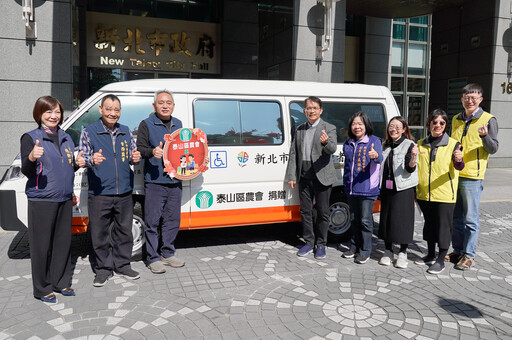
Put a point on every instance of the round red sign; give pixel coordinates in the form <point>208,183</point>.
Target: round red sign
<point>185,153</point>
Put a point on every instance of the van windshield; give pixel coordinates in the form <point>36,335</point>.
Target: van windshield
<point>134,109</point>
<point>339,114</point>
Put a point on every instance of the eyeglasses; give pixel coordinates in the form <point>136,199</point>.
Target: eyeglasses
<point>472,99</point>
<point>111,108</point>
<point>442,123</point>
<point>310,108</point>
<point>395,127</point>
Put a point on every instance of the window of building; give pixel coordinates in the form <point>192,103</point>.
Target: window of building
<point>416,59</point>
<point>417,33</point>
<point>399,32</point>
<point>99,77</point>
<point>410,68</point>
<point>397,58</point>
<point>239,122</point>
<point>397,83</point>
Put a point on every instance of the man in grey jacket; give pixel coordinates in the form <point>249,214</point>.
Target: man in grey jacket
<point>310,164</point>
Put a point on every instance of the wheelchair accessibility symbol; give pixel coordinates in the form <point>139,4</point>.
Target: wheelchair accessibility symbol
<point>218,159</point>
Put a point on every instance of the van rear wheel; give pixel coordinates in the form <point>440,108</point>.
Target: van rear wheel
<point>339,221</point>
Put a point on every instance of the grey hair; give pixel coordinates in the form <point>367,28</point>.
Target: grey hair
<point>163,91</point>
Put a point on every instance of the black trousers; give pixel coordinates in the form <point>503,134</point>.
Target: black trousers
<point>49,234</point>
<point>112,246</point>
<point>314,233</point>
<point>438,222</point>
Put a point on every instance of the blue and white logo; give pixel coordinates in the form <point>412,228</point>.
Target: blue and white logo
<point>218,159</point>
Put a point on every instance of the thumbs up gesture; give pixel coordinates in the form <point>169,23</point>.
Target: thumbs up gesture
<point>135,156</point>
<point>158,152</point>
<point>80,160</point>
<point>414,151</point>
<point>482,131</point>
<point>324,137</point>
<point>372,153</point>
<point>414,154</point>
<point>457,154</point>
<point>98,158</point>
<point>36,153</point>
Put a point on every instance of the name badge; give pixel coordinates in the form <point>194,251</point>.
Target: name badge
<point>389,184</point>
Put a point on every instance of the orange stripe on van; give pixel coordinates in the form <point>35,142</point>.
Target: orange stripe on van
<point>227,218</point>
<point>376,206</point>
<point>79,225</point>
<point>237,217</point>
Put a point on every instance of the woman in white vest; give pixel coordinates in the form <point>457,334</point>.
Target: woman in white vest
<point>399,177</point>
<point>439,162</point>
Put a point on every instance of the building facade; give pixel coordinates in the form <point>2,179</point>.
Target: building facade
<point>471,44</point>
<point>70,48</point>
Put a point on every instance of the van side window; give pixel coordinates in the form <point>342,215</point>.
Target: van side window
<point>239,122</point>
<point>339,114</point>
<point>134,109</point>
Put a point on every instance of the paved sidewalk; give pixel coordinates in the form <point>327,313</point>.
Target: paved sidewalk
<point>247,283</point>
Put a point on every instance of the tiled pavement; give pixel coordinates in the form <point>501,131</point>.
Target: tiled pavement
<point>247,283</point>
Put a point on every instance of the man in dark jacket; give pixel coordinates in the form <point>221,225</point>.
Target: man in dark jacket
<point>163,193</point>
<point>108,148</point>
<point>310,164</point>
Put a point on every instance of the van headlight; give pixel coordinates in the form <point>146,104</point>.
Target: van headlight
<point>13,173</point>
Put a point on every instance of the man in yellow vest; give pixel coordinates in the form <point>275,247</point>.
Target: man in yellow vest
<point>477,131</point>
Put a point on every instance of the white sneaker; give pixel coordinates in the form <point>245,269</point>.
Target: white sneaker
<point>387,258</point>
<point>401,262</point>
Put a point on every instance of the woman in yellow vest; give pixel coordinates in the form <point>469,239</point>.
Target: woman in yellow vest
<point>439,162</point>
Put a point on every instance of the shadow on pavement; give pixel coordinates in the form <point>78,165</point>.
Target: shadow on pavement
<point>19,247</point>
<point>285,232</point>
<point>469,311</point>
<point>459,308</point>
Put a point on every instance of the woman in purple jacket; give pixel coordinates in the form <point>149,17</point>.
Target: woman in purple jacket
<point>361,177</point>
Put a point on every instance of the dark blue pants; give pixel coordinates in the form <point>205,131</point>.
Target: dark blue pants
<point>49,234</point>
<point>163,201</point>
<point>361,219</point>
<point>314,233</point>
<point>112,247</point>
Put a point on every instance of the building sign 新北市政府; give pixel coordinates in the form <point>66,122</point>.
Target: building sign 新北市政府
<point>139,43</point>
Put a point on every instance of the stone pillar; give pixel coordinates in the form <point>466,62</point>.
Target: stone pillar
<point>377,56</point>
<point>32,68</point>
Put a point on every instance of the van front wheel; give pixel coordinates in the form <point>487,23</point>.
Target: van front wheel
<point>138,227</point>
<point>339,221</point>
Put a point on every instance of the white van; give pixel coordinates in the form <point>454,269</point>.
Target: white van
<point>249,125</point>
